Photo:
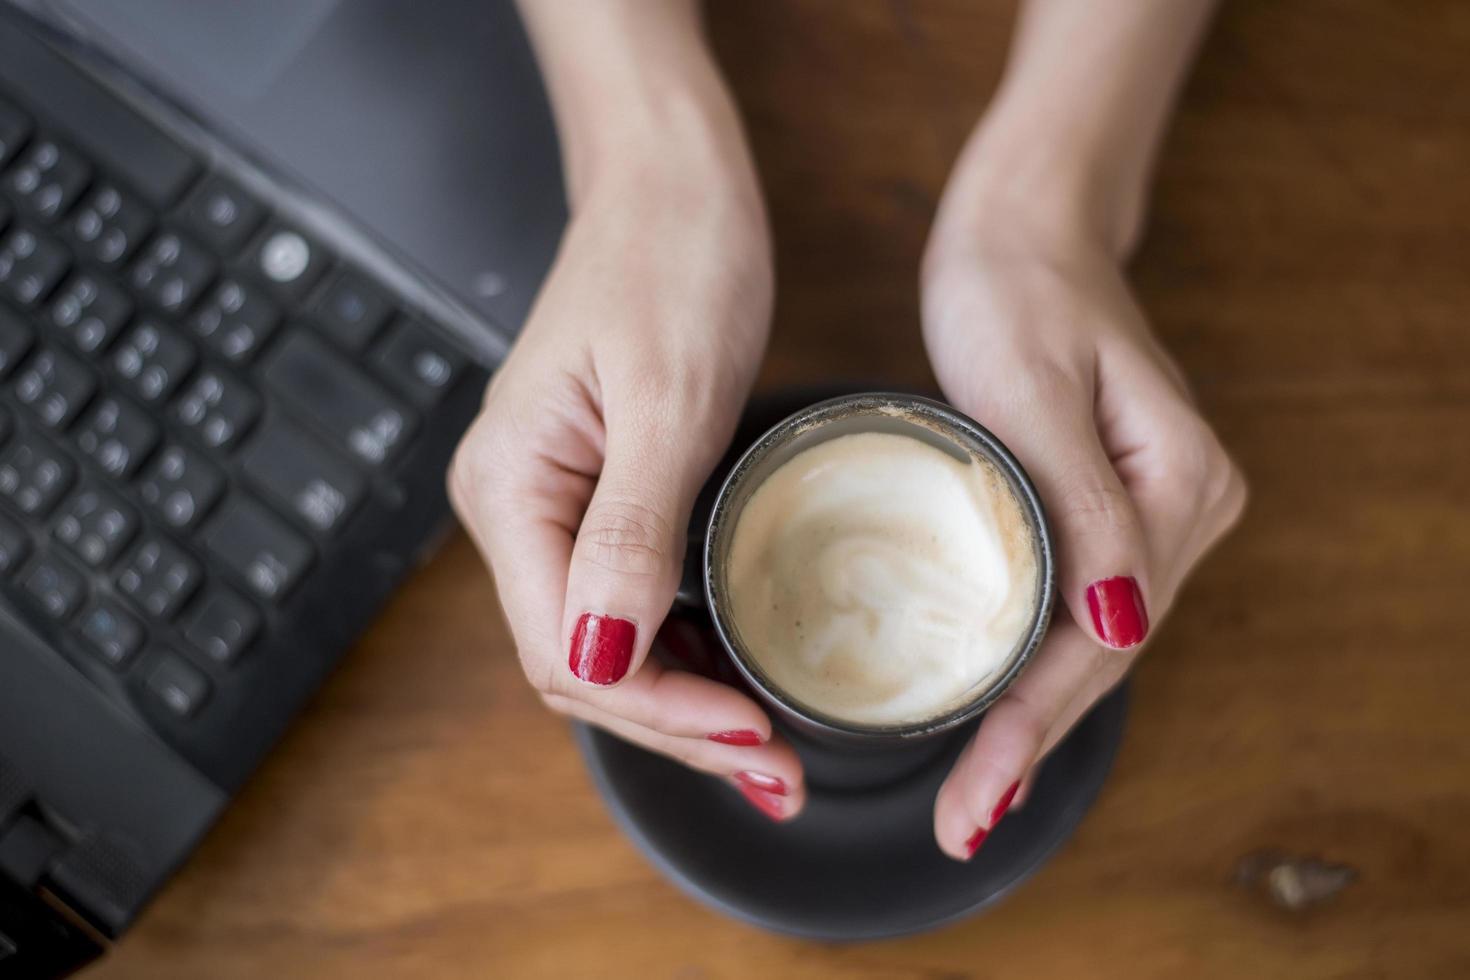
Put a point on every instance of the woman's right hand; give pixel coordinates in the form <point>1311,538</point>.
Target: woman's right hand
<point>578,478</point>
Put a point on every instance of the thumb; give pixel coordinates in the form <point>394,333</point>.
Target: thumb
<point>628,556</point>
<point>1100,543</point>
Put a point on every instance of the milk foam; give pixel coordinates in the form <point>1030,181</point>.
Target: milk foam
<point>880,580</point>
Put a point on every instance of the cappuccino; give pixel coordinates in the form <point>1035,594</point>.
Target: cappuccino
<point>880,580</point>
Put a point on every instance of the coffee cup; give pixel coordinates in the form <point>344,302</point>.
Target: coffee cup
<point>881,494</point>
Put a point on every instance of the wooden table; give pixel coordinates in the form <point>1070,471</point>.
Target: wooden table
<point>1309,262</point>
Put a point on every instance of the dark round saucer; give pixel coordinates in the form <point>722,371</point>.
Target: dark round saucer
<point>853,865</point>
<point>857,864</point>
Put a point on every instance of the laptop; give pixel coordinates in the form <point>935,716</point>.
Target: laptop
<point>257,261</point>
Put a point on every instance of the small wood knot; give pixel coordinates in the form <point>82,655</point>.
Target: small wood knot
<point>1293,882</point>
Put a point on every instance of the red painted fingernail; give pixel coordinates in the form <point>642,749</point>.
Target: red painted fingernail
<point>1117,611</point>
<point>602,648</point>
<point>1004,803</point>
<point>761,781</point>
<point>1001,806</point>
<point>767,803</point>
<point>736,736</point>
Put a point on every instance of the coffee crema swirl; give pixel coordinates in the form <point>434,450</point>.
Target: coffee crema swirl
<point>881,581</point>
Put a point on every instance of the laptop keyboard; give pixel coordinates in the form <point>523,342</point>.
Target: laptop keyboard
<point>196,400</point>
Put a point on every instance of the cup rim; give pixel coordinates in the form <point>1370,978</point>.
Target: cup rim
<point>950,419</point>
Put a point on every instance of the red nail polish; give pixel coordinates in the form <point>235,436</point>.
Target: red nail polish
<point>976,839</point>
<point>737,736</point>
<point>761,781</point>
<point>1117,611</point>
<point>1004,803</point>
<point>766,803</point>
<point>602,648</point>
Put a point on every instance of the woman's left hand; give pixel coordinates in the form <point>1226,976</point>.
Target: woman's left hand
<point>1036,336</point>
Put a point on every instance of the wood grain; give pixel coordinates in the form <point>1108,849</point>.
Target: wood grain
<point>1309,262</point>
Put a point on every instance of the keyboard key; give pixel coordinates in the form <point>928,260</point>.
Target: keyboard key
<point>221,625</point>
<point>180,486</point>
<point>159,577</point>
<point>31,264</point>
<point>108,226</point>
<point>178,686</point>
<point>422,366</point>
<point>55,586</point>
<point>55,386</point>
<point>235,320</point>
<point>286,261</point>
<point>304,478</point>
<point>34,475</point>
<point>171,272</point>
<point>15,544</point>
<point>329,392</point>
<point>14,128</point>
<point>15,340</point>
<point>110,631</point>
<point>117,435</point>
<point>95,525</point>
<point>217,409</point>
<point>351,310</point>
<point>153,359</point>
<point>89,311</point>
<point>267,555</point>
<point>220,214</point>
<point>46,179</point>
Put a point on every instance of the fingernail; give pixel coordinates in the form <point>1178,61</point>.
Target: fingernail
<point>736,736</point>
<point>761,781</point>
<point>602,648</point>
<point>1004,803</point>
<point>767,803</point>
<point>1117,611</point>
<point>1001,806</point>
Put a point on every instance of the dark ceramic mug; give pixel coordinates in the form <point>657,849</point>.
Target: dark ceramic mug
<point>854,754</point>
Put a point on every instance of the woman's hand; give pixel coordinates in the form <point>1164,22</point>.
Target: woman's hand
<point>578,478</point>
<point>1033,332</point>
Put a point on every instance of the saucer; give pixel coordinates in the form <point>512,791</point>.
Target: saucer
<point>853,865</point>
<point>856,864</point>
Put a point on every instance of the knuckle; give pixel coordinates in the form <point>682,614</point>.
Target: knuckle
<point>1232,493</point>
<point>626,537</point>
<point>1201,463</point>
<point>1098,507</point>
<point>472,473</point>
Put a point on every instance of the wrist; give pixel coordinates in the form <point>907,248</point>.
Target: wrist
<point>1023,185</point>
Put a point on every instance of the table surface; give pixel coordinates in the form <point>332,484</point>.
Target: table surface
<point>1308,260</point>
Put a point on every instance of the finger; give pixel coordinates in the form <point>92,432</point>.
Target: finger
<point>519,518</point>
<point>1023,792</point>
<point>678,703</point>
<point>1109,673</point>
<point>1101,557</point>
<point>629,551</point>
<point>1098,686</point>
<point>985,778</point>
<point>769,776</point>
<point>1187,490</point>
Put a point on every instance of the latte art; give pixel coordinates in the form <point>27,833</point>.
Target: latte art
<point>879,580</point>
